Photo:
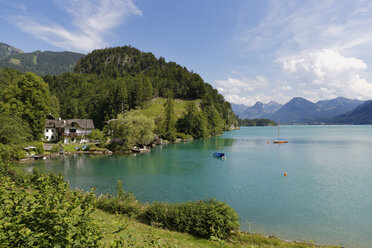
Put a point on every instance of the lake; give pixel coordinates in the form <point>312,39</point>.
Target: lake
<point>326,196</point>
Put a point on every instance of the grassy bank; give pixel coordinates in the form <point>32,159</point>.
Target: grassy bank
<point>136,234</point>
<point>40,210</point>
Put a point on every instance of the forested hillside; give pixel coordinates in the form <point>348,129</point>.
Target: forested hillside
<point>42,63</point>
<point>7,50</point>
<point>358,116</point>
<point>102,94</point>
<point>111,81</point>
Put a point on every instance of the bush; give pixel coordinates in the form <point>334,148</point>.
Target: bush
<point>210,218</point>
<point>96,134</point>
<point>44,216</point>
<point>11,152</point>
<point>124,202</point>
<point>184,136</point>
<point>113,205</point>
<point>56,148</point>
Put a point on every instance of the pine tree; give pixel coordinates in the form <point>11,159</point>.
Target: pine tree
<point>170,119</point>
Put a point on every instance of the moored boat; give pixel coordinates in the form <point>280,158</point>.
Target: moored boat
<point>219,155</point>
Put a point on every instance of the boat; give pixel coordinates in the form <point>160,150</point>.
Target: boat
<point>219,155</point>
<point>279,140</point>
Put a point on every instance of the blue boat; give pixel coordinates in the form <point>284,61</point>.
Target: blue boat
<point>219,155</point>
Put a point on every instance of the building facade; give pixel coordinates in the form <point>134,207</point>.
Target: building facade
<point>67,131</point>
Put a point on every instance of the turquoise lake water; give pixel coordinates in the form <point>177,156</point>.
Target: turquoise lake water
<point>326,197</point>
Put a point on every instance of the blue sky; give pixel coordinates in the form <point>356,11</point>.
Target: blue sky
<point>249,50</point>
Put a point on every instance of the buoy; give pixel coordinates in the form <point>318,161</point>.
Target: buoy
<point>285,173</point>
<point>268,142</point>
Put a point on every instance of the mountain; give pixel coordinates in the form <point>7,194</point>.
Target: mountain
<point>259,110</point>
<point>360,115</point>
<point>41,63</point>
<point>338,106</point>
<point>109,81</point>
<point>301,111</point>
<point>7,50</point>
<point>297,110</point>
<point>238,109</point>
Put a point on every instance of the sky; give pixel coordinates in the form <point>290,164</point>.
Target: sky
<point>250,50</point>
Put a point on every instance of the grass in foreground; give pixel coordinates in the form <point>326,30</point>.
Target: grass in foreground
<point>136,234</point>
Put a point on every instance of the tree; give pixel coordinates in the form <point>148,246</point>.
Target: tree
<point>96,134</point>
<point>147,89</point>
<point>13,130</point>
<point>29,97</point>
<point>193,122</point>
<point>215,122</point>
<point>54,106</point>
<point>117,99</point>
<point>170,120</point>
<point>132,130</point>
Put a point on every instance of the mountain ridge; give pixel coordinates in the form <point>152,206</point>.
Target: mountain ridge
<point>8,50</point>
<point>38,62</point>
<point>301,111</point>
<point>258,110</point>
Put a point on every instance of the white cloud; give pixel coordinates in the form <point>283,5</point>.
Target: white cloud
<point>290,26</point>
<point>91,21</point>
<point>327,74</point>
<point>320,49</point>
<point>248,91</point>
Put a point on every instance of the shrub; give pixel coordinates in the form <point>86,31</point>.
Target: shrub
<point>11,152</point>
<point>44,217</point>
<point>184,136</point>
<point>56,148</point>
<point>96,134</point>
<point>124,202</point>
<point>209,218</point>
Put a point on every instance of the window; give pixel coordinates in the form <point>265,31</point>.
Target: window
<point>72,130</point>
<point>52,137</point>
<point>72,139</point>
<point>52,130</point>
<point>46,130</point>
<point>47,137</point>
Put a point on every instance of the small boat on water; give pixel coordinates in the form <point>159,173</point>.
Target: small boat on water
<point>219,155</point>
<point>279,140</point>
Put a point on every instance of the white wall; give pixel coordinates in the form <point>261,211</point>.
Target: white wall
<point>50,134</point>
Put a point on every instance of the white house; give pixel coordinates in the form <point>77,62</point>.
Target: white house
<point>67,131</point>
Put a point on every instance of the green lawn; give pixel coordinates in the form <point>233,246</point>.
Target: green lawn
<point>155,107</point>
<point>136,234</point>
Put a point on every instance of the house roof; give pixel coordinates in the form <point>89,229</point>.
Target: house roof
<point>83,123</point>
<point>53,123</point>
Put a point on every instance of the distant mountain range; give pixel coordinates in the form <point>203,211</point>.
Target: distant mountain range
<point>360,115</point>
<point>259,110</point>
<point>300,111</point>
<point>6,50</point>
<point>41,63</point>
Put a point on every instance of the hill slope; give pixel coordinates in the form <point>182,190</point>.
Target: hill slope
<point>160,78</point>
<point>42,63</point>
<point>297,110</point>
<point>360,115</point>
<point>338,106</point>
<point>7,50</point>
<point>301,111</point>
